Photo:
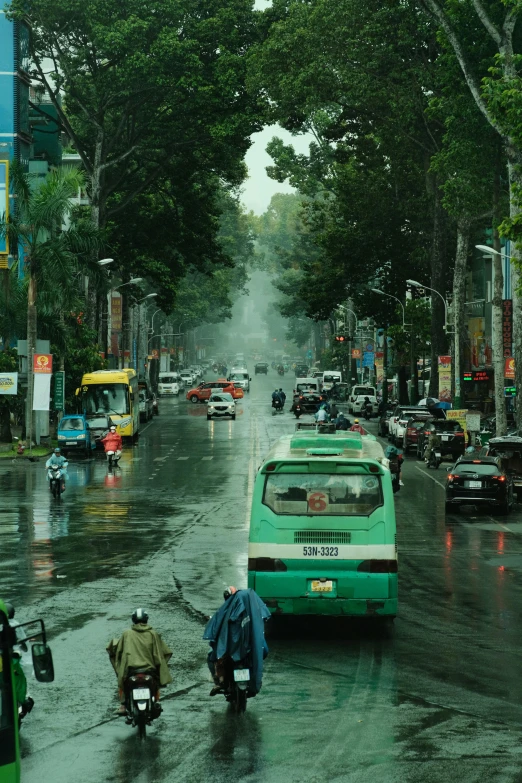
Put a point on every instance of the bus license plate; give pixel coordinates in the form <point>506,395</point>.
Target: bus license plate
<point>322,587</point>
<point>241,675</point>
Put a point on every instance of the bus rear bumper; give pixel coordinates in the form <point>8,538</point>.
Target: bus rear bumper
<point>333,607</point>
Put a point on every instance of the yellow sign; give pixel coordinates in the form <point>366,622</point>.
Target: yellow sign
<point>458,415</point>
<point>8,382</point>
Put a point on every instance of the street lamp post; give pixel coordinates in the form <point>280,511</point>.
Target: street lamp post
<point>414,387</point>
<point>136,353</point>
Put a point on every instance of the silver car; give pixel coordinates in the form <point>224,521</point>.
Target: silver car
<point>222,404</point>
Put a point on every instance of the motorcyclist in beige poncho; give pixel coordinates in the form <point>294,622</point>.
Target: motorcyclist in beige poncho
<point>139,647</point>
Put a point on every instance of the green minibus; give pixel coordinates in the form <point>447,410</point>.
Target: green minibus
<point>44,672</point>
<point>322,528</point>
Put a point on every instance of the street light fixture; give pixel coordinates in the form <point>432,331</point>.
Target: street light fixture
<point>492,252</point>
<point>105,261</point>
<point>383,293</point>
<point>149,296</point>
<point>132,281</point>
<point>416,284</point>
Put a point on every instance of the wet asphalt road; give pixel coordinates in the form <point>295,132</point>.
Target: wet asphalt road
<point>438,698</point>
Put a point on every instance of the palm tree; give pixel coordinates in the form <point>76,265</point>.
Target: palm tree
<point>50,242</point>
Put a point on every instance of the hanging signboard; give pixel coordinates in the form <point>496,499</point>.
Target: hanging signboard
<point>445,378</point>
<point>116,313</point>
<point>356,353</point>
<point>59,391</point>
<point>509,368</point>
<point>43,363</point>
<point>4,209</point>
<point>507,326</point>
<point>8,382</point>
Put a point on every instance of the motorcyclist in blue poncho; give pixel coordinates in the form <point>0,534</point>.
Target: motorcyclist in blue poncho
<point>236,636</point>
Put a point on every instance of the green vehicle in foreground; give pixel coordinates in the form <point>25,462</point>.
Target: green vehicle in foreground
<point>322,528</point>
<point>10,687</point>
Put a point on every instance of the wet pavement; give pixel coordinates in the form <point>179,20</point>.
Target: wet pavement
<point>437,698</point>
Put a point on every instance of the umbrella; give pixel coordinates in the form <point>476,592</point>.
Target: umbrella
<point>428,401</point>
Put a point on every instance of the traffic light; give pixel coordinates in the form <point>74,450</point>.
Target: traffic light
<point>341,338</point>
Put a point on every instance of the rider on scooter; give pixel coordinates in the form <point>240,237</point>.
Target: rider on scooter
<point>112,442</point>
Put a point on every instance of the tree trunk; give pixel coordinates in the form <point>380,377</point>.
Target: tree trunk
<point>385,367</point>
<point>459,299</point>
<point>497,313</point>
<point>515,186</point>
<point>126,326</point>
<point>6,436</point>
<point>31,350</point>
<point>438,282</point>
<point>403,386</point>
<point>93,300</point>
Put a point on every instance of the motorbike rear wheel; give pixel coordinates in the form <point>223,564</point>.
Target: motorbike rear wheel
<point>141,721</point>
<point>240,700</point>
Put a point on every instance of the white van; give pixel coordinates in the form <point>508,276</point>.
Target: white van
<point>330,377</point>
<point>168,384</point>
<point>241,377</point>
<point>313,384</point>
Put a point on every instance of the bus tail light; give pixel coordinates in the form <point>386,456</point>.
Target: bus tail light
<point>270,564</point>
<point>378,566</point>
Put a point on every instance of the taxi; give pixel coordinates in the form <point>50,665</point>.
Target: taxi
<point>204,391</point>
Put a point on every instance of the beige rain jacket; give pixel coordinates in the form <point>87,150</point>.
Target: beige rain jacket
<point>140,647</point>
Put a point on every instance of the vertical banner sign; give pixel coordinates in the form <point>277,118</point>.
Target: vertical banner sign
<point>445,378</point>
<point>59,391</point>
<point>509,368</point>
<point>507,326</point>
<point>116,324</point>
<point>4,209</point>
<point>379,367</point>
<point>42,369</point>
<point>135,354</point>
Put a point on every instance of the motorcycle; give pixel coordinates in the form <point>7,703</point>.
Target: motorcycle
<point>280,370</point>
<point>277,407</point>
<point>112,459</point>
<point>140,699</point>
<point>297,410</point>
<point>235,688</point>
<point>434,459</point>
<point>368,411</point>
<point>56,480</point>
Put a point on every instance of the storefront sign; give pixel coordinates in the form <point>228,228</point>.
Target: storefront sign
<point>8,382</point>
<point>507,326</point>
<point>458,415</point>
<point>509,368</point>
<point>476,375</point>
<point>116,313</point>
<point>59,391</point>
<point>510,391</point>
<point>444,378</point>
<point>43,363</point>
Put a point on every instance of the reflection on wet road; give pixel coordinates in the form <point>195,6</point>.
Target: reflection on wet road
<point>437,698</point>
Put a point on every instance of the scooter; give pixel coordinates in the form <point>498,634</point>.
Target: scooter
<point>435,459</point>
<point>297,410</point>
<point>235,683</point>
<point>140,700</point>
<point>56,480</point>
<point>368,410</point>
<point>112,459</point>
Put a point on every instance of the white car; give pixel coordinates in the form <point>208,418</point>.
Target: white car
<point>168,384</point>
<point>222,404</point>
<point>188,378</point>
<point>397,422</point>
<point>361,391</point>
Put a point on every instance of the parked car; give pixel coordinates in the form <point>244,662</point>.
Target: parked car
<point>508,449</point>
<point>146,406</point>
<point>74,434</point>
<point>414,426</point>
<point>168,384</point>
<point>221,404</point>
<point>401,413</point>
<point>204,391</point>
<point>479,482</point>
<point>261,368</point>
<point>452,437</point>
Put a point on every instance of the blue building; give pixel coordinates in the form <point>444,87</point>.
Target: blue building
<point>15,132</point>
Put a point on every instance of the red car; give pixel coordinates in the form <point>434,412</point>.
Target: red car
<point>204,390</point>
<point>414,426</point>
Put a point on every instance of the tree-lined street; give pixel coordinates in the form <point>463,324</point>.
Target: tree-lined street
<point>439,696</point>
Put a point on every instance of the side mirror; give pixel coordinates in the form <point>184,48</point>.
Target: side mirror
<point>76,393</point>
<point>43,662</point>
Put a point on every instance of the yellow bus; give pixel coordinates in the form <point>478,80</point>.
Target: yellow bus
<point>112,393</point>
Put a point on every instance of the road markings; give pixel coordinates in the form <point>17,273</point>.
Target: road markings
<point>206,458</point>
<point>182,458</point>
<point>430,477</point>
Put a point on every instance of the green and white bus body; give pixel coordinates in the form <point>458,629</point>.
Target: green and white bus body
<point>322,528</point>
<point>9,746</point>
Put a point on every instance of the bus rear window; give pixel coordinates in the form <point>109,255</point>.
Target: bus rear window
<point>314,494</point>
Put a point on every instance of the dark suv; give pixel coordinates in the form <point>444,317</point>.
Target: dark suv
<point>479,482</point>
<point>452,437</point>
<point>261,367</point>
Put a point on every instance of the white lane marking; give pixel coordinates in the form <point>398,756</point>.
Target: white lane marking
<point>229,459</point>
<point>182,458</point>
<point>206,458</point>
<point>430,477</point>
<point>145,428</point>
